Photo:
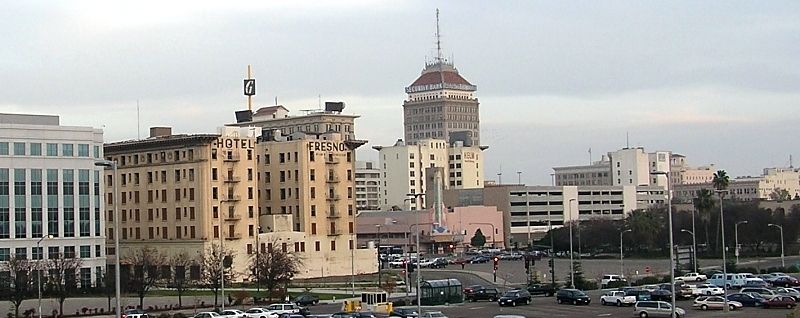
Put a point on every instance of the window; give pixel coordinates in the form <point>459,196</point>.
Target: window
<point>52,150</point>
<point>19,149</point>
<point>69,251</point>
<point>86,251</point>
<point>83,150</point>
<point>5,254</point>
<point>66,150</point>
<point>316,246</point>
<point>36,149</point>
<point>3,149</point>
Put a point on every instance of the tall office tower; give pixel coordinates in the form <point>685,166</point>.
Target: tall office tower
<point>49,185</point>
<point>441,104</point>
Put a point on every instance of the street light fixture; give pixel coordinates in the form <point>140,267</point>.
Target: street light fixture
<point>39,271</point>
<point>113,165</point>
<point>694,248</point>
<point>621,255</point>
<point>671,241</point>
<point>783,259</point>
<point>736,238</point>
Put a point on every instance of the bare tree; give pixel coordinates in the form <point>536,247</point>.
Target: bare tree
<point>16,281</point>
<point>210,262</point>
<point>62,278</point>
<point>145,263</point>
<point>274,267</point>
<point>109,288</point>
<point>180,264</point>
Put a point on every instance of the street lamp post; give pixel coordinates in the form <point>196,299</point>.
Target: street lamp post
<point>571,262</point>
<point>783,260</point>
<point>694,248</point>
<point>721,194</point>
<point>419,281</point>
<point>39,271</point>
<point>736,238</point>
<point>621,255</point>
<point>671,241</point>
<point>379,255</point>
<point>258,278</point>
<point>113,166</point>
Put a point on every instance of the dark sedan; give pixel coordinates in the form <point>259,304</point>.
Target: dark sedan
<point>780,302</point>
<point>306,299</point>
<point>747,300</point>
<point>785,281</point>
<point>404,312</point>
<point>661,294</point>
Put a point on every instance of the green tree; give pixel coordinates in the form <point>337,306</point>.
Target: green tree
<point>478,240</point>
<point>580,281</point>
<point>720,182</point>
<point>703,203</point>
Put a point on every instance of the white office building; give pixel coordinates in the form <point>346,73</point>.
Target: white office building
<point>49,185</point>
<point>403,169</point>
<point>368,186</point>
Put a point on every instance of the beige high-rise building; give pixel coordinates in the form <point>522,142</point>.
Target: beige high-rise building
<point>307,201</point>
<point>179,193</point>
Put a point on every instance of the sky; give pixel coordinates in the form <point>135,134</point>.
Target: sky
<point>717,81</point>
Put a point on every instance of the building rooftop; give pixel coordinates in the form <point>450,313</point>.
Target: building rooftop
<point>436,74</point>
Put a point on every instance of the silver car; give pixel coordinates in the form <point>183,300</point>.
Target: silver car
<point>646,309</point>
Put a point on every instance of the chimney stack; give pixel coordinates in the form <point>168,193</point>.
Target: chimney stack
<point>160,131</point>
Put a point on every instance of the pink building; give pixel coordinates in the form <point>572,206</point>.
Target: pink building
<point>399,228</point>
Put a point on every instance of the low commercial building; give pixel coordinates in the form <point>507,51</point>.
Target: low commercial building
<point>767,186</point>
<point>49,185</point>
<point>453,234</point>
<point>530,211</point>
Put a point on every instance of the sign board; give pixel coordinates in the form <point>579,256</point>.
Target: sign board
<point>250,87</point>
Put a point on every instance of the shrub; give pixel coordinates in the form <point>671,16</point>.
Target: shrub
<point>617,284</point>
<point>747,270</point>
<point>648,280</point>
<point>178,315</point>
<point>792,269</point>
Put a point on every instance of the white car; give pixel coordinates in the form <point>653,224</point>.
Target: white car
<point>281,309</point>
<point>207,314</point>
<point>426,262</point>
<point>433,314</point>
<point>714,302</point>
<point>617,298</point>
<point>260,313</point>
<point>397,263</point>
<point>708,290</point>
<point>607,278</point>
<point>232,313</point>
<point>692,277</point>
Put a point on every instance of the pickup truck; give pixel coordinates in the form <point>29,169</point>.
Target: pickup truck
<point>541,289</point>
<point>617,298</point>
<point>708,290</point>
<point>692,277</point>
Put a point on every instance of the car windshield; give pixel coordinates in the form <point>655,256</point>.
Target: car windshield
<point>436,314</point>
<point>510,294</point>
<point>579,293</point>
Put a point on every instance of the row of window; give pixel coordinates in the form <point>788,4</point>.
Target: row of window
<point>47,149</point>
<point>152,196</point>
<point>53,252</point>
<point>153,232</point>
<point>181,213</point>
<point>155,157</point>
<point>152,176</point>
<point>299,247</point>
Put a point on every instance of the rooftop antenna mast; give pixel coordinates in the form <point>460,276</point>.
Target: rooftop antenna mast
<point>438,39</point>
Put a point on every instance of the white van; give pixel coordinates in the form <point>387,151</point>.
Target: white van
<point>733,280</point>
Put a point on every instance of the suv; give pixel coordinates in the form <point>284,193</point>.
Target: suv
<point>514,298</point>
<point>656,309</point>
<point>490,294</point>
<point>572,296</point>
<point>135,313</point>
<point>541,289</point>
<point>281,309</point>
<point>608,278</point>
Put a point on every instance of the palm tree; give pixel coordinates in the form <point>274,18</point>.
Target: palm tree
<point>703,203</point>
<point>720,182</point>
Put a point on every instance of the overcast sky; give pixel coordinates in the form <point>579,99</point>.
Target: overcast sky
<point>718,81</point>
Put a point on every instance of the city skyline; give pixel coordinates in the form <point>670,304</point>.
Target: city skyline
<point>720,89</point>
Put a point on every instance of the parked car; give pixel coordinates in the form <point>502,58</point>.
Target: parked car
<point>260,313</point>
<point>514,298</point>
<point>684,290</point>
<point>284,309</point>
<point>572,296</point>
<point>472,289</point>
<point>362,314</point>
<point>755,282</point>
<point>306,299</point>
<point>135,313</point>
<point>692,277</point>
<point>708,290</point>
<point>438,262</point>
<point>608,278</point>
<point>732,281</point>
<point>433,314</point>
<point>617,298</point>
<point>714,302</point>
<point>794,293</point>
<point>747,300</point>
<point>646,309</point>
<point>408,312</point>
<point>541,289</point>
<point>232,313</point>
<point>780,302</point>
<point>207,314</point>
<point>640,294</point>
<point>763,291</point>
<point>479,259</point>
<point>490,294</point>
<point>785,281</point>
<point>661,294</point>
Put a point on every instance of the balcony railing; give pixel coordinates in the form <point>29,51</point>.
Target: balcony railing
<point>235,236</point>
<point>336,232</point>
<point>331,160</point>
<point>332,179</point>
<point>231,179</point>
<point>334,215</point>
<point>232,157</point>
<point>334,197</point>
<point>231,197</point>
<point>232,217</point>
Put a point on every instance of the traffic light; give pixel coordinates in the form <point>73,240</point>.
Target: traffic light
<point>451,247</point>
<point>550,262</point>
<point>496,261</point>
